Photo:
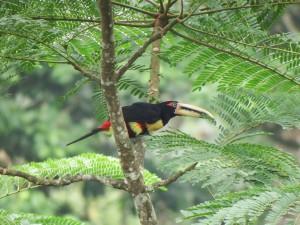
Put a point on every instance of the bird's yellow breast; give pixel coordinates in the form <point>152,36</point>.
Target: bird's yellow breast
<point>154,126</point>
<point>136,127</point>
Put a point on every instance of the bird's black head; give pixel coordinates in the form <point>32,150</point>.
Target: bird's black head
<point>170,109</point>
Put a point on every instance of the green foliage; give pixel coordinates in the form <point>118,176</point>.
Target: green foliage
<point>135,88</point>
<point>221,53</point>
<point>101,108</point>
<point>93,164</point>
<point>246,207</point>
<point>226,43</point>
<point>78,85</point>
<point>224,167</point>
<point>12,218</point>
<point>123,84</point>
<point>240,110</point>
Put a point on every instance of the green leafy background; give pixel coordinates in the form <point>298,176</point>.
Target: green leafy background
<point>45,104</point>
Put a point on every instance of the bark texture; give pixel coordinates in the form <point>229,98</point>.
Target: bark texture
<point>130,158</point>
<point>153,88</point>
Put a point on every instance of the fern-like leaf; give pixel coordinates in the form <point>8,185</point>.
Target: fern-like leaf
<point>224,166</point>
<point>233,48</point>
<point>135,88</point>
<point>100,105</point>
<point>240,110</point>
<point>93,164</point>
<point>12,218</point>
<point>247,207</point>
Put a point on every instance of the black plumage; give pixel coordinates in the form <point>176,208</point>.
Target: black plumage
<point>142,118</point>
<point>149,113</point>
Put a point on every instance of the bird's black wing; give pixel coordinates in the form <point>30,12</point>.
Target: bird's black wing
<point>141,112</point>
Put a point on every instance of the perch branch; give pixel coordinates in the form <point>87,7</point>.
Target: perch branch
<point>119,184</point>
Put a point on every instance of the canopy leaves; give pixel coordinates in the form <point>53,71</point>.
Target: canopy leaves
<point>227,43</point>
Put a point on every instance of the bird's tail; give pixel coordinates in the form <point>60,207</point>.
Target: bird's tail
<point>95,131</point>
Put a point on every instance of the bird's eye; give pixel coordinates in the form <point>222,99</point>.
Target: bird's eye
<point>172,104</point>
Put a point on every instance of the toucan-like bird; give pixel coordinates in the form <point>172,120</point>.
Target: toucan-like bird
<point>142,118</point>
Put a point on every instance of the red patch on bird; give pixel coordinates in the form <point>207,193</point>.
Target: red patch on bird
<point>140,125</point>
<point>106,125</point>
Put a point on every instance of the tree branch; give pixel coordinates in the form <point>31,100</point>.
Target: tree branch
<point>119,184</point>
<point>161,6</point>
<point>130,161</point>
<point>33,60</point>
<point>84,72</point>
<point>166,8</point>
<point>68,19</point>
<point>124,23</point>
<point>143,48</point>
<point>171,179</point>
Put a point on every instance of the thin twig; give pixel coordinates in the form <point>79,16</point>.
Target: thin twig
<point>171,179</point>
<point>135,8</point>
<point>121,23</point>
<point>135,21</point>
<point>153,3</point>
<point>172,3</point>
<point>167,7</point>
<point>192,13</point>
<point>84,72</point>
<point>161,6</point>
<point>33,60</point>
<point>119,184</point>
<point>134,24</point>
<point>68,19</point>
<point>181,9</point>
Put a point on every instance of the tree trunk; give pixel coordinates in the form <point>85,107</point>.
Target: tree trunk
<point>131,159</point>
<point>153,88</point>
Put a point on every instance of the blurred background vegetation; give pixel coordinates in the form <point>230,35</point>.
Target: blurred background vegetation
<point>39,116</point>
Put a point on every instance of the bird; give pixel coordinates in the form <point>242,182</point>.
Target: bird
<point>142,118</point>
